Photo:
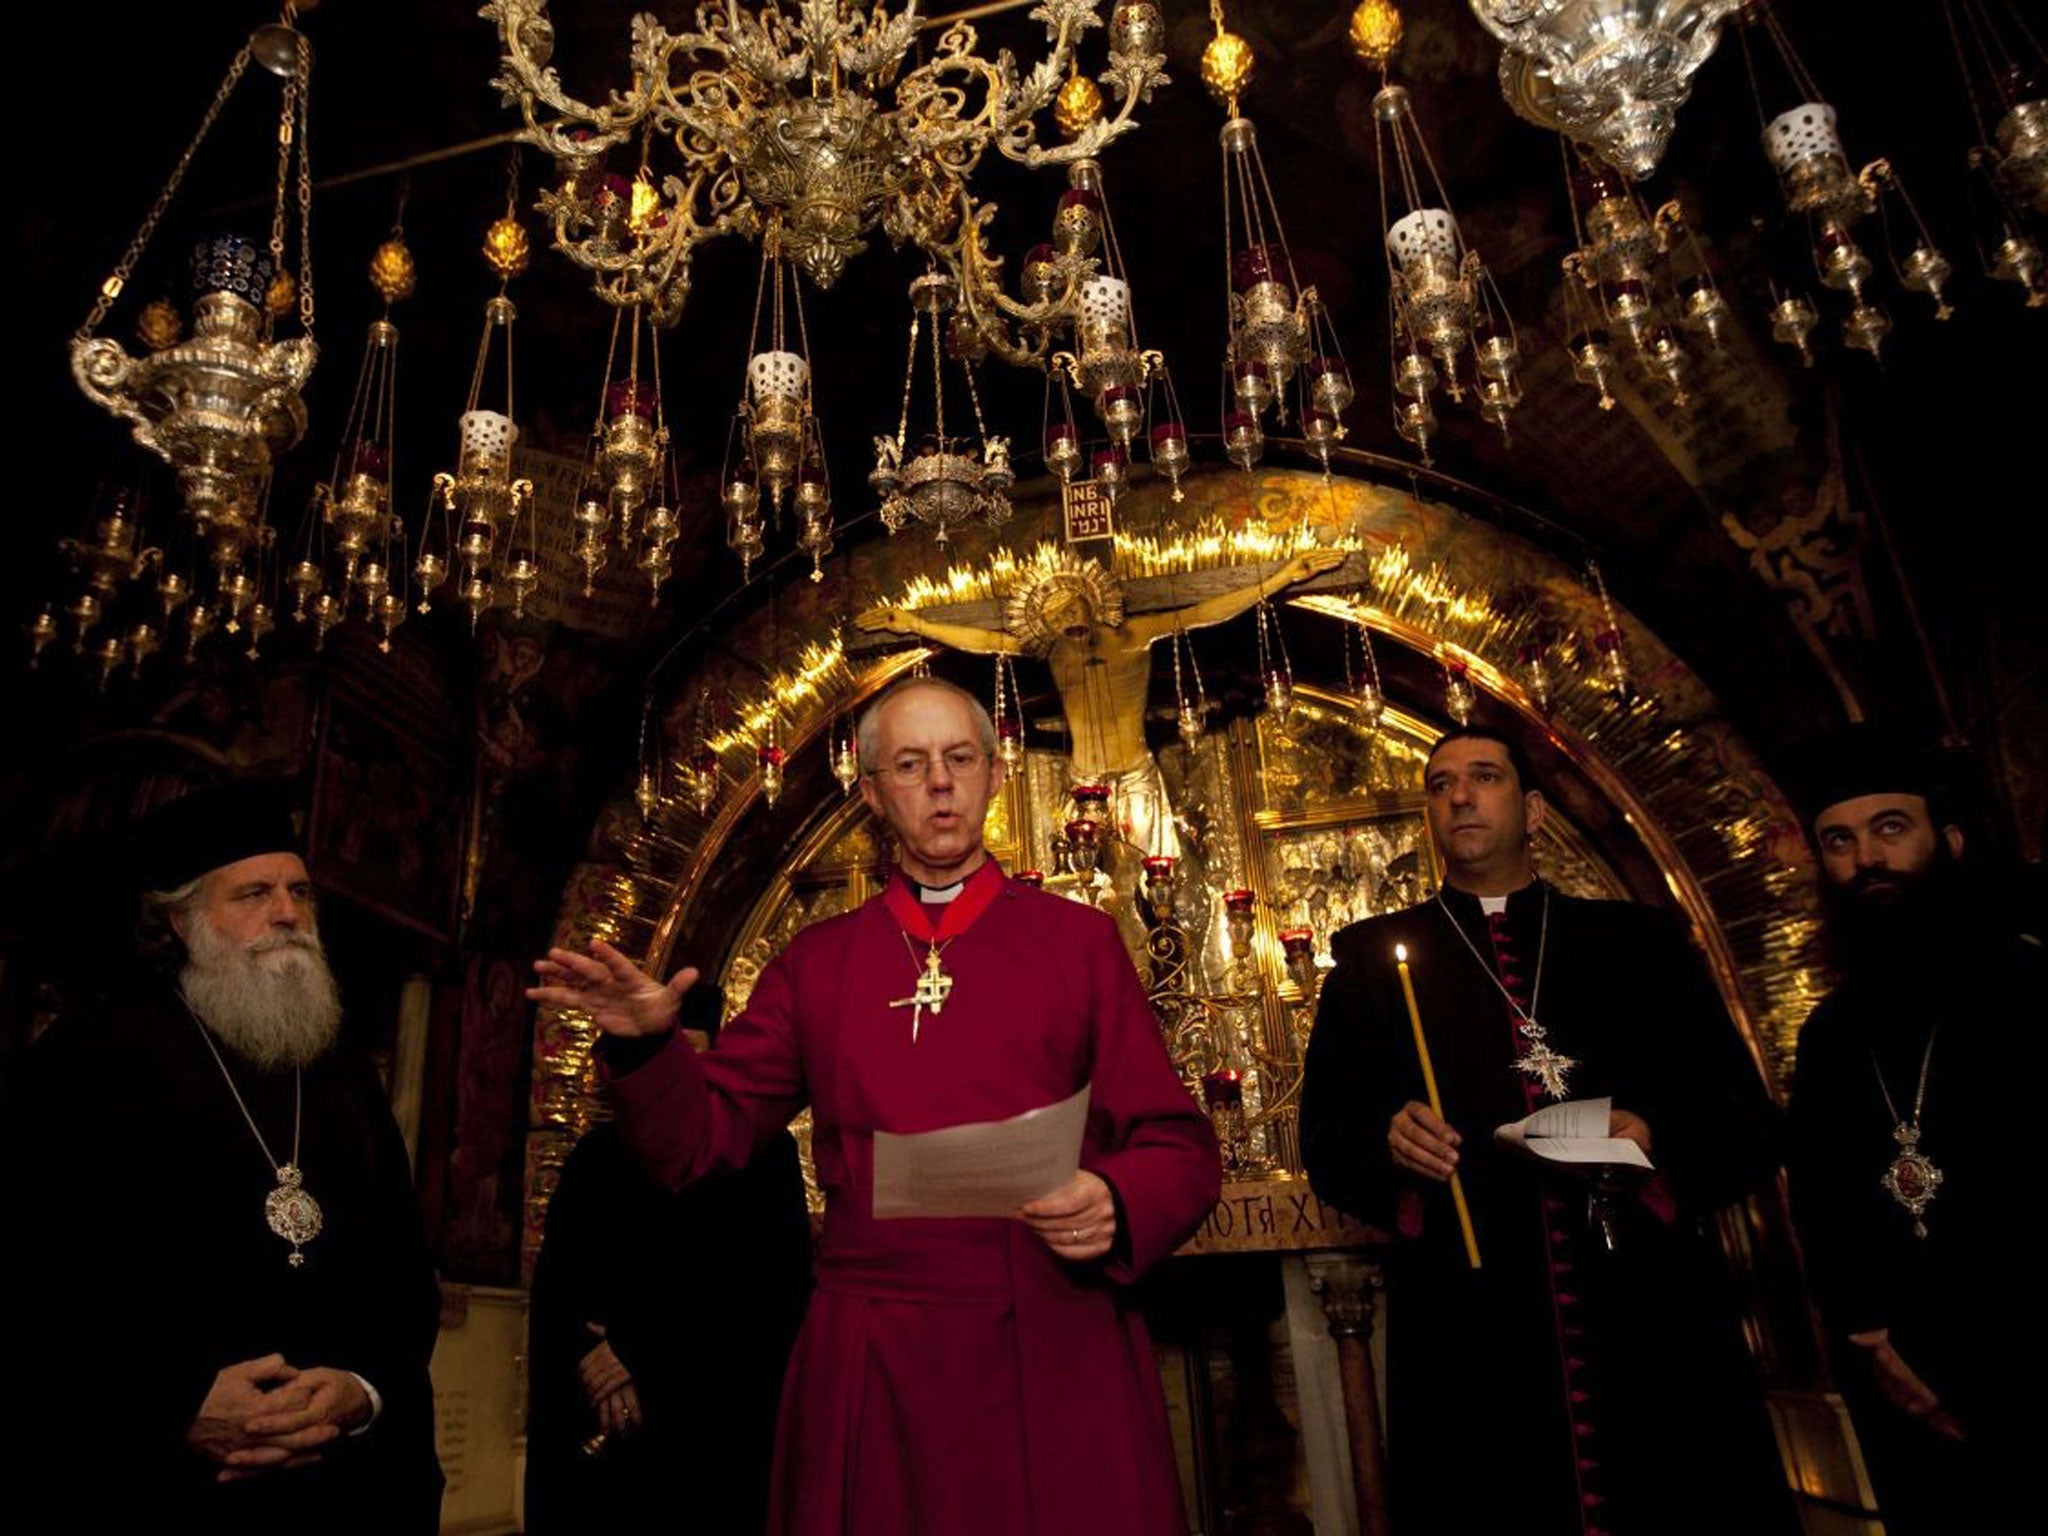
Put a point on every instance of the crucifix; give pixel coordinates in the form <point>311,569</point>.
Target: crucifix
<point>932,986</point>
<point>1096,635</point>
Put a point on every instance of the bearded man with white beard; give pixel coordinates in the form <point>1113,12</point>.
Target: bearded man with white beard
<point>221,1299</point>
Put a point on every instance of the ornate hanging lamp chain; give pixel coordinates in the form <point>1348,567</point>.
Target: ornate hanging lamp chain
<point>293,141</point>
<point>938,381</point>
<point>909,378</point>
<point>110,290</point>
<point>974,398</point>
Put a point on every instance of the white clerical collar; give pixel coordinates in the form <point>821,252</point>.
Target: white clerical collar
<point>939,895</point>
<point>1491,905</point>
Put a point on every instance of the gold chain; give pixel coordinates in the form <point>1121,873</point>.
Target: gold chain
<point>291,135</point>
<point>305,92</point>
<point>285,138</point>
<point>110,290</point>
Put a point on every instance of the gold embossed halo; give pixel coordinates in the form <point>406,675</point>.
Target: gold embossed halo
<point>1053,575</point>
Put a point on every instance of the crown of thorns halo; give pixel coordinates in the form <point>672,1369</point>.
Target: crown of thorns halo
<point>1053,575</point>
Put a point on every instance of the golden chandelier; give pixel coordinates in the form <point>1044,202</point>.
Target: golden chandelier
<point>809,115</point>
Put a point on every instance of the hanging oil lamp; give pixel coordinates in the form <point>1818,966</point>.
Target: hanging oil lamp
<point>1458,696</point>
<point>487,517</point>
<point>1008,718</point>
<point>1276,671</point>
<point>1362,682</point>
<point>1191,709</point>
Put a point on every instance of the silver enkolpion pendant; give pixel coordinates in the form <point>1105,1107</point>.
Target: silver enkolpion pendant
<point>1911,1178</point>
<point>291,1213</point>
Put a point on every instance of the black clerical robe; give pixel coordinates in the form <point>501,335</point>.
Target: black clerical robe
<point>137,1244</point>
<point>1960,1311</point>
<point>700,1292</point>
<point>1562,1387</point>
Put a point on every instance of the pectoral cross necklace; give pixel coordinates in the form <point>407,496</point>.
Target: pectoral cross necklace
<point>932,985</point>
<point>1540,1061</point>
<point>914,920</point>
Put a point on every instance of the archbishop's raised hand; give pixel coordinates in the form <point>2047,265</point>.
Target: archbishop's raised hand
<point>620,998</point>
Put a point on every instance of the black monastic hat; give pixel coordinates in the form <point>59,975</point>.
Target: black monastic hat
<point>212,827</point>
<point>1864,759</point>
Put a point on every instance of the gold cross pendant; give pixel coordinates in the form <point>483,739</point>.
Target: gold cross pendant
<point>932,986</point>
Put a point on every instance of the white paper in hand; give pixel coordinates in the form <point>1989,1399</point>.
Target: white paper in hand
<point>1573,1132</point>
<point>987,1168</point>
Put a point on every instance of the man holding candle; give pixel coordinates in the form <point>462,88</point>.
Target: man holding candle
<point>955,1376</point>
<point>1905,1137</point>
<point>1539,1378</point>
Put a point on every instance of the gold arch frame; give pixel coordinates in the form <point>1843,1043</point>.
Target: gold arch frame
<point>1444,583</point>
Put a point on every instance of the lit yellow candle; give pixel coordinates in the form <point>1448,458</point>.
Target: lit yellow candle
<point>1436,1103</point>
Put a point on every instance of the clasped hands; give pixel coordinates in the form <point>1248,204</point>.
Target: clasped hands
<point>1426,1145</point>
<point>608,1386</point>
<point>266,1414</point>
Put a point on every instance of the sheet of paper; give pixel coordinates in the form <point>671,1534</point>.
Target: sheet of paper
<point>1574,1131</point>
<point>988,1168</point>
<point>1580,1118</point>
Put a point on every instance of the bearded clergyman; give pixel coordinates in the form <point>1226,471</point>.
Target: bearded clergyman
<point>1911,1154</point>
<point>222,1307</point>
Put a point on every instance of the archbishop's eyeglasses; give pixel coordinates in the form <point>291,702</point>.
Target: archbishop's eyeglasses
<point>915,767</point>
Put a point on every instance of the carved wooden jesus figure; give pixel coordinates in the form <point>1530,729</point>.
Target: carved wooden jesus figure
<point>1072,614</point>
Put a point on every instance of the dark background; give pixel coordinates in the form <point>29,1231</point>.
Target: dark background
<point>1933,456</point>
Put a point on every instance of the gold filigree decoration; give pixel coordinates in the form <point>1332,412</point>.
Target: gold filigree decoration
<point>1727,847</point>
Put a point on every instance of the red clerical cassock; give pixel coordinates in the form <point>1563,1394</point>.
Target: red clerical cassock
<point>954,1375</point>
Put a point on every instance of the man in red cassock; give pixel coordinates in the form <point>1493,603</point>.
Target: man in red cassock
<point>964,1374</point>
